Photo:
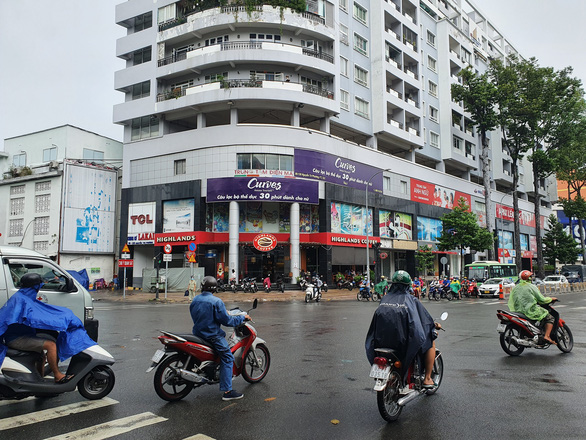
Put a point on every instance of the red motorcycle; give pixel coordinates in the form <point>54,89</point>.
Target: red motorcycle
<point>188,361</point>
<point>473,289</point>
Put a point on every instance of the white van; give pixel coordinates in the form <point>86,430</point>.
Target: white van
<point>60,288</point>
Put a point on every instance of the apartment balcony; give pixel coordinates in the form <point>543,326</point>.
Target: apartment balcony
<point>394,63</point>
<point>394,34</point>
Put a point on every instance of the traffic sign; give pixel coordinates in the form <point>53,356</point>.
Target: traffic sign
<point>168,248</point>
<point>125,263</point>
<point>192,246</point>
<point>167,257</point>
<point>125,249</point>
<point>192,258</point>
<point>125,256</point>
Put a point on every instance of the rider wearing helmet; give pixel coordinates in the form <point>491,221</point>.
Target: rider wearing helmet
<point>402,323</point>
<point>209,313</point>
<point>526,298</point>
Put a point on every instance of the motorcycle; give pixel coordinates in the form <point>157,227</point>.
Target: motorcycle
<point>345,284</point>
<point>280,284</point>
<point>221,286</point>
<point>367,293</point>
<point>92,376</point>
<point>188,361</point>
<point>434,292</point>
<point>233,286</point>
<point>312,292</point>
<point>324,285</point>
<point>394,389</point>
<point>249,285</point>
<point>517,332</point>
<point>473,289</point>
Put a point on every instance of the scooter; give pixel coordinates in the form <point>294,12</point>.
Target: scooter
<point>280,284</point>
<point>517,332</point>
<point>20,377</point>
<point>366,293</point>
<point>188,361</point>
<point>394,389</point>
<point>473,289</point>
<point>312,292</point>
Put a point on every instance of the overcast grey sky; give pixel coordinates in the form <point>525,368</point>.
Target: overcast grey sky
<point>58,56</point>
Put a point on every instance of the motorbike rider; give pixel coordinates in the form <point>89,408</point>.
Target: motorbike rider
<point>381,287</point>
<point>402,323</point>
<point>526,298</point>
<point>455,287</point>
<point>209,313</point>
<point>267,282</point>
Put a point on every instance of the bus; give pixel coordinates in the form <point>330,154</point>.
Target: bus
<point>483,270</point>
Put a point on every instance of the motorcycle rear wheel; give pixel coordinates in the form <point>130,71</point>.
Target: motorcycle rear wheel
<point>437,374</point>
<point>350,287</point>
<point>507,343</point>
<point>168,384</point>
<point>306,298</point>
<point>565,339</point>
<point>359,296</point>
<point>257,372</point>
<point>318,297</point>
<point>97,383</point>
<point>387,399</point>
<point>449,296</point>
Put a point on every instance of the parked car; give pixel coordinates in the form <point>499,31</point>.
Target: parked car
<point>572,277</point>
<point>555,280</point>
<point>491,286</point>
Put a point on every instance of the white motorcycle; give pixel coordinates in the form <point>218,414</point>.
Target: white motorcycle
<point>313,292</point>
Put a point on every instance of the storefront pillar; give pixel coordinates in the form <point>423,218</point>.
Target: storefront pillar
<point>234,239</point>
<point>294,239</point>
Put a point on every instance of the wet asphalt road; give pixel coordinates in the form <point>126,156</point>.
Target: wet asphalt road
<point>319,374</point>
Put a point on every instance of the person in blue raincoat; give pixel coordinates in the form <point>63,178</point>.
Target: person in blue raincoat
<point>208,313</point>
<point>23,314</point>
<point>402,323</point>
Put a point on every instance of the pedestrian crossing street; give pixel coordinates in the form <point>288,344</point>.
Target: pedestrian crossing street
<point>100,431</point>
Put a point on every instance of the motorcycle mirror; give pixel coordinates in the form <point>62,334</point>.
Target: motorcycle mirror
<point>444,316</point>
<point>254,304</point>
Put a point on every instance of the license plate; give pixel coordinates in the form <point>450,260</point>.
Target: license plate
<point>487,292</point>
<point>158,356</point>
<point>377,372</point>
<point>501,328</point>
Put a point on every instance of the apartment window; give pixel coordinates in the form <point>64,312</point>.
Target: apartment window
<point>431,63</point>
<point>344,34</point>
<point>93,155</point>
<point>361,107</point>
<point>17,206</point>
<point>268,76</point>
<point>15,227</point>
<point>386,183</point>
<point>141,56</point>
<point>432,88</point>
<point>434,139</point>
<point>141,90</point>
<point>430,39</point>
<point>145,127</point>
<point>260,161</point>
<point>458,143</point>
<point>142,22</point>
<point>214,77</point>
<point>360,76</point>
<point>167,13</point>
<point>344,100</point>
<point>43,186</point>
<point>433,114</point>
<point>19,160</point>
<point>403,184</point>
<point>49,154</point>
<point>43,203</point>
<point>360,13</point>
<point>18,189</point>
<point>344,66</point>
<point>360,44</point>
<point>41,226</point>
<point>466,56</point>
<point>344,5</point>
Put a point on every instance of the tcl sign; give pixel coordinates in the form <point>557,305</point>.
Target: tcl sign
<point>141,218</point>
<point>265,242</point>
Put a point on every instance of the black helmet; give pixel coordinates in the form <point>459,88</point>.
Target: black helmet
<point>209,284</point>
<point>30,279</point>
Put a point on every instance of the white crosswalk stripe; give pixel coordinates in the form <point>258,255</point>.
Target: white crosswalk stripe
<point>112,428</point>
<point>53,413</point>
<point>199,437</point>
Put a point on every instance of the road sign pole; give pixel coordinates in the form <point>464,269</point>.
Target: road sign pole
<point>166,277</point>
<point>124,292</point>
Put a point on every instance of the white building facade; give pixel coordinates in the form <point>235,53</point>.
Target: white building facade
<point>242,122</point>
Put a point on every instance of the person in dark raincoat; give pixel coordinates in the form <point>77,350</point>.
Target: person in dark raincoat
<point>402,323</point>
<point>23,314</point>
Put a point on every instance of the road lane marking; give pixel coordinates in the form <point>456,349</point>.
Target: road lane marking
<point>112,428</point>
<point>199,437</point>
<point>53,413</point>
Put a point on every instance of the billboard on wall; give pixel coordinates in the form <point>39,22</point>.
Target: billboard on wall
<point>178,215</point>
<point>395,225</point>
<point>430,194</point>
<point>428,229</point>
<point>507,213</point>
<point>259,189</point>
<point>89,209</point>
<point>350,219</point>
<point>141,223</point>
<point>338,170</point>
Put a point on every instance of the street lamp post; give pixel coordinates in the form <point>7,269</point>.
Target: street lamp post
<point>366,226</point>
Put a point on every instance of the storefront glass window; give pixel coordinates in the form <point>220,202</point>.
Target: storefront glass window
<point>308,218</point>
<point>524,242</point>
<point>350,219</point>
<point>395,225</point>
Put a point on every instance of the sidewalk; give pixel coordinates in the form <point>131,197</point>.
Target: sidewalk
<point>138,296</point>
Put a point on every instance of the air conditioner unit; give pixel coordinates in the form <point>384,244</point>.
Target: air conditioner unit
<point>53,165</point>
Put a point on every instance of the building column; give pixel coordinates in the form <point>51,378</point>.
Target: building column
<point>372,142</point>
<point>295,119</point>
<point>440,166</point>
<point>294,240</point>
<point>324,123</point>
<point>410,155</point>
<point>234,239</point>
<point>201,120</point>
<point>233,116</point>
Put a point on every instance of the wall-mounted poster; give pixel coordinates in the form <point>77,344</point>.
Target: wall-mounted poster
<point>435,195</point>
<point>428,229</point>
<point>505,239</point>
<point>178,215</point>
<point>395,225</point>
<point>350,219</point>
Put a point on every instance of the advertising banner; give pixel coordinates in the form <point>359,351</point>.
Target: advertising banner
<point>507,213</point>
<point>260,189</point>
<point>395,225</point>
<point>141,223</point>
<point>428,229</point>
<point>430,194</point>
<point>178,215</point>
<point>338,170</point>
<point>350,219</point>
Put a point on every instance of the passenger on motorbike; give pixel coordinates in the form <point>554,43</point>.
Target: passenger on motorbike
<point>455,286</point>
<point>403,324</point>
<point>525,298</point>
<point>209,313</point>
<point>267,282</point>
<point>381,287</point>
<point>416,287</point>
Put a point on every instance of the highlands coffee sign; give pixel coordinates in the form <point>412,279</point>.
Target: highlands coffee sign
<point>259,189</point>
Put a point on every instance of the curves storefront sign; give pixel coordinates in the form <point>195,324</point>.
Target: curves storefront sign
<point>259,189</point>
<point>264,242</point>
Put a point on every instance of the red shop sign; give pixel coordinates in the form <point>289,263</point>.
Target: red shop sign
<point>383,255</point>
<point>265,242</point>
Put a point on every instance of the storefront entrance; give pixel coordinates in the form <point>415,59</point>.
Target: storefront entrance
<point>254,263</point>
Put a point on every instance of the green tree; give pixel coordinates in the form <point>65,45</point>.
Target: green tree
<point>480,98</point>
<point>557,245</point>
<point>425,259</point>
<point>576,208</point>
<point>461,231</point>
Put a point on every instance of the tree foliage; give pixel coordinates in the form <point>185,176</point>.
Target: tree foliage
<point>425,259</point>
<point>557,245</point>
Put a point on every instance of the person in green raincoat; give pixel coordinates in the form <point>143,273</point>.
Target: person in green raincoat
<point>381,288</point>
<point>526,299</point>
<point>455,287</point>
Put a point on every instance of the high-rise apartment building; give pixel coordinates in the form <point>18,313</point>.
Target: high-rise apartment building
<point>279,140</point>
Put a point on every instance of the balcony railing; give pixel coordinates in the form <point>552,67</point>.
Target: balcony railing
<point>243,45</point>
